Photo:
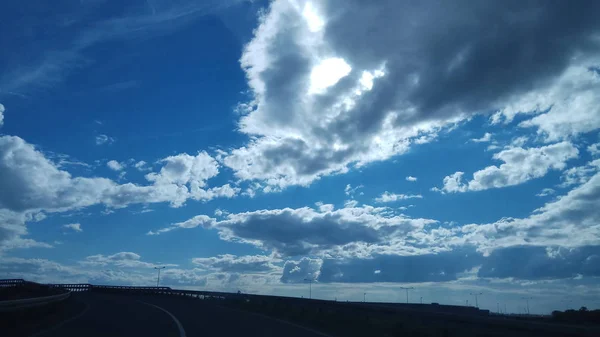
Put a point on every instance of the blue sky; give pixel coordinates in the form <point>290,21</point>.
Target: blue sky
<point>251,145</point>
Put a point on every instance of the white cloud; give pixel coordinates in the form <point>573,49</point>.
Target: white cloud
<point>546,192</point>
<point>187,170</point>
<point>520,165</point>
<point>579,174</point>
<point>142,166</point>
<point>572,101</point>
<point>380,95</point>
<point>122,259</point>
<point>115,165</point>
<point>484,139</point>
<point>74,226</point>
<point>572,220</point>
<point>30,183</point>
<point>199,220</point>
<point>594,149</point>
<point>350,231</point>
<point>411,178</point>
<point>1,115</point>
<point>238,264</point>
<point>392,197</point>
<point>349,190</point>
<point>104,139</point>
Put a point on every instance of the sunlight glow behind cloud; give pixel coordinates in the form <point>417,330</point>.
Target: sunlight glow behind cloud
<point>327,73</point>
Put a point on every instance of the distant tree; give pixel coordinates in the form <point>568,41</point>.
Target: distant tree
<point>583,309</point>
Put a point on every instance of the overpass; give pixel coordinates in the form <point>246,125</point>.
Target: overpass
<point>103,310</point>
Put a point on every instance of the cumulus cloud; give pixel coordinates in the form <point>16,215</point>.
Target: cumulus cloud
<point>520,165</point>
<point>104,139</point>
<point>301,270</point>
<point>571,221</point>
<point>306,231</point>
<point>594,149</point>
<point>572,102</point>
<point>31,183</point>
<point>484,139</point>
<point>393,197</point>
<point>1,115</point>
<point>115,165</point>
<point>120,269</point>
<point>579,174</point>
<point>546,192</point>
<point>349,190</point>
<point>411,178</point>
<point>379,94</point>
<point>121,259</point>
<point>199,220</point>
<point>238,264</point>
<point>142,166</point>
<point>73,226</point>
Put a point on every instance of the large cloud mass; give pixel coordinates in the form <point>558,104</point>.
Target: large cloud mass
<point>31,183</point>
<point>338,83</point>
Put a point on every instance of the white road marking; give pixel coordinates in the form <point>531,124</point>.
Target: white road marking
<point>179,326</point>
<point>69,320</point>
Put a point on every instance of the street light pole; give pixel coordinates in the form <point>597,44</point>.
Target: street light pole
<point>527,301</point>
<point>365,297</point>
<point>158,278</point>
<point>476,301</point>
<point>407,289</point>
<point>309,287</point>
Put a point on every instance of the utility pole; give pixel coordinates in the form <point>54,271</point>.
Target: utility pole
<point>309,287</point>
<point>421,299</point>
<point>365,297</point>
<point>467,303</point>
<point>476,301</point>
<point>407,289</point>
<point>158,278</point>
<point>527,302</point>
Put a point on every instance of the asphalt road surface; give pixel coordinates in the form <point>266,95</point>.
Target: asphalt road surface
<point>126,316</point>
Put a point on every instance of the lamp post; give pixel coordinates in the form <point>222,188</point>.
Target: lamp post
<point>309,287</point>
<point>365,297</point>
<point>476,301</point>
<point>158,278</point>
<point>527,302</point>
<point>407,289</point>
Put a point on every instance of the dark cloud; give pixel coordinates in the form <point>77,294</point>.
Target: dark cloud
<point>291,233</point>
<point>467,56</point>
<point>304,231</point>
<point>393,268</point>
<point>534,263</point>
<point>441,62</point>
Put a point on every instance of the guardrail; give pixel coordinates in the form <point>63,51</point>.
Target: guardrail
<point>27,303</point>
<point>42,294</point>
<point>269,299</point>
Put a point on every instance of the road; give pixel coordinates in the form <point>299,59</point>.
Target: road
<point>126,316</point>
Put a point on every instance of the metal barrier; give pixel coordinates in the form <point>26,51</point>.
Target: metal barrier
<point>31,302</point>
<point>50,294</point>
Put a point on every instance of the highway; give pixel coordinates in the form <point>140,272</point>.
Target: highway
<point>139,315</point>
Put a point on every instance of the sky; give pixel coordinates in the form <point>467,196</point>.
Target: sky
<point>452,147</point>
